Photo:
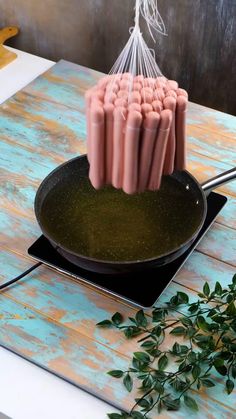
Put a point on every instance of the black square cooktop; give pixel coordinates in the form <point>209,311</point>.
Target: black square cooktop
<point>149,285</point>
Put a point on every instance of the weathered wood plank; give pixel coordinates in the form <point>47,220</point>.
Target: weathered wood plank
<point>213,243</point>
<point>50,294</point>
<point>204,168</point>
<point>60,133</point>
<point>62,351</point>
<point>228,214</point>
<point>211,144</point>
<point>63,83</point>
<point>212,120</point>
<point>72,357</point>
<point>200,268</point>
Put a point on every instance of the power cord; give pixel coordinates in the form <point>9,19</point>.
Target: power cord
<point>17,278</point>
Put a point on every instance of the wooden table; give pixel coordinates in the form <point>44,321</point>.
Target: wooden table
<point>49,318</point>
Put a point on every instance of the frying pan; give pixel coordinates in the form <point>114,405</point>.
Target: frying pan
<point>80,165</point>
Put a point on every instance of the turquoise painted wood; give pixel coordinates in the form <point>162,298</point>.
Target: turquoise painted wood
<point>49,318</point>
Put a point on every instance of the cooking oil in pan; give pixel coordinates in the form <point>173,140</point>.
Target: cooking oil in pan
<point>111,225</point>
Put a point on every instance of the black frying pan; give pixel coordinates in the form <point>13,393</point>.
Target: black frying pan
<point>77,168</point>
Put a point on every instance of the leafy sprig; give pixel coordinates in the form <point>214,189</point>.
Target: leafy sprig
<point>170,377</point>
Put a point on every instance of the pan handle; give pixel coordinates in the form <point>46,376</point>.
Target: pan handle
<point>218,180</point>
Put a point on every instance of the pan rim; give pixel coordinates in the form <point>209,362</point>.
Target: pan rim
<point>123,262</point>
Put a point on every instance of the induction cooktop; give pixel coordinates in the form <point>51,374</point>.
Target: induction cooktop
<point>149,284</point>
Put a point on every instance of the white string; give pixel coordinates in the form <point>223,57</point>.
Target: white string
<point>136,58</point>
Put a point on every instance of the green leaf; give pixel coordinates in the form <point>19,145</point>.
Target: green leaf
<point>162,362</point>
<point>176,348</point>
<point>221,369</point>
<point>234,371</point>
<point>196,371</point>
<point>201,295</point>
<point>157,315</point>
<point>116,373</point>
<point>143,403</point>
<point>148,344</point>
<point>159,387</point>
<point>190,402</point>
<point>218,288</point>
<point>202,324</point>
<point>178,331</point>
<point>128,382</point>
<point>234,279</point>
<point>207,383</point>
<point>231,310</point>
<point>141,318</point>
<point>192,357</point>
<point>104,323</point>
<point>137,415</point>
<point>182,298</point>
<point>172,404</point>
<point>193,307</point>
<point>186,321</point>
<point>147,383</point>
<point>191,332</point>
<point>131,331</point>
<point>117,416</point>
<point>206,289</point>
<point>117,319</point>
<point>232,347</point>
<point>229,298</point>
<point>142,356</point>
<point>229,386</point>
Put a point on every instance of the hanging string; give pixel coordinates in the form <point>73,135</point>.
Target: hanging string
<point>136,58</point>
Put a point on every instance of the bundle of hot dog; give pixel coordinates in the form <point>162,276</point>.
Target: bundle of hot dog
<point>135,131</point>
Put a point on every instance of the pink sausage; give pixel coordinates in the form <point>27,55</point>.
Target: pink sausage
<point>169,163</point>
<point>109,109</point>
<point>135,97</point>
<point>146,107</point>
<point>172,84</point>
<point>119,123</point>
<point>159,94</point>
<point>182,92</point>
<point>131,149</point>
<point>134,107</point>
<point>110,97</point>
<point>125,85</point>
<point>147,95</point>
<point>88,97</point>
<point>160,150</point>
<point>163,79</point>
<point>161,82</point>
<point>180,155</point>
<point>171,93</point>
<point>121,102</point>
<point>116,77</point>
<point>96,101</point>
<point>99,94</point>
<point>147,90</point>
<point>149,82</point>
<point>127,76</point>
<point>112,87</point>
<point>137,86</point>
<point>157,106</point>
<point>150,127</point>
<point>96,170</point>
<point>139,79</point>
<point>123,94</point>
<point>104,81</point>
